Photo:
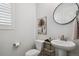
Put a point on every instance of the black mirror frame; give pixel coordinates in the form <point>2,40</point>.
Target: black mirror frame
<point>71,20</point>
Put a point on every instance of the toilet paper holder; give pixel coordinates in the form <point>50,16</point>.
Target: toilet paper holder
<point>16,44</point>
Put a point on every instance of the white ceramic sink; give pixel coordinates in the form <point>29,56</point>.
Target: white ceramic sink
<point>66,45</point>
<point>63,45</point>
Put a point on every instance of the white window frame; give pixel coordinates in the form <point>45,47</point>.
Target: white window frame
<point>12,26</point>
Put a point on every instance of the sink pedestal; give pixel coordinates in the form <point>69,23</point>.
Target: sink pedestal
<point>61,52</point>
<point>63,46</point>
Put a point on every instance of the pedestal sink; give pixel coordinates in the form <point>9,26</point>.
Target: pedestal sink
<point>63,46</point>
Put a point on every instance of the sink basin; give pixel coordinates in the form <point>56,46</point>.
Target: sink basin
<point>66,45</point>
<point>63,46</point>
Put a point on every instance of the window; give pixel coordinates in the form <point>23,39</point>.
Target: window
<point>6,15</point>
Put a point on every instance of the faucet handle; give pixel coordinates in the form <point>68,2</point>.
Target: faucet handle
<point>62,37</point>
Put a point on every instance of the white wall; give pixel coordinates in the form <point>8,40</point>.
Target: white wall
<point>24,31</point>
<point>53,29</point>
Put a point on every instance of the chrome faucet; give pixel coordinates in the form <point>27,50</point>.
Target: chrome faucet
<point>62,38</point>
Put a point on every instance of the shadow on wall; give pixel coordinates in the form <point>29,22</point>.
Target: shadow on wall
<point>75,52</point>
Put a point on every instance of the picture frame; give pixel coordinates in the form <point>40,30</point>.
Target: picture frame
<point>42,25</point>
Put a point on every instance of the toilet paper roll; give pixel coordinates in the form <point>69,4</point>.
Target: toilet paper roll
<point>16,44</point>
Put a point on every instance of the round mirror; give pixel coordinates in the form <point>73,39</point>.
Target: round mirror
<point>65,13</point>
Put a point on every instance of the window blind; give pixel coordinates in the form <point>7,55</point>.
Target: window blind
<point>5,14</point>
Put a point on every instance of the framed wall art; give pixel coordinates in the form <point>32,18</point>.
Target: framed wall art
<point>42,25</point>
